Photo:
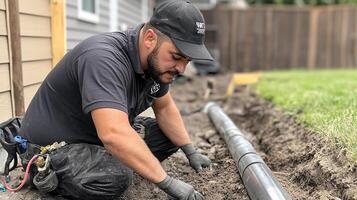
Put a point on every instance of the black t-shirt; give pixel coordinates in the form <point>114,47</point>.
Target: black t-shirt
<point>103,71</point>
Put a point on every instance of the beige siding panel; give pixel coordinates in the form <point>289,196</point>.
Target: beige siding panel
<point>35,71</point>
<point>29,92</point>
<point>35,48</point>
<point>35,25</point>
<point>5,106</point>
<point>4,77</point>
<point>3,29</point>
<point>35,7</point>
<point>4,50</point>
<point>2,4</point>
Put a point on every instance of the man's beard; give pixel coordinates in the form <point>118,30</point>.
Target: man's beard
<point>153,70</point>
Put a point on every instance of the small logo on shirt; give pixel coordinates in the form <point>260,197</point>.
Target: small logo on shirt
<point>154,88</point>
<point>200,28</point>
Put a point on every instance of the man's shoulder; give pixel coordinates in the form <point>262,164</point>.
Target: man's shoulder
<point>104,46</point>
<point>110,41</point>
<point>119,39</point>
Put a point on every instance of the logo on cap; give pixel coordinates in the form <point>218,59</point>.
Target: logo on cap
<point>200,28</point>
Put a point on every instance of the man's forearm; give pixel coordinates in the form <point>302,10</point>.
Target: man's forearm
<point>129,148</point>
<point>171,123</point>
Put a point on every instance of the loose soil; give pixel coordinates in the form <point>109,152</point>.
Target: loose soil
<point>306,165</point>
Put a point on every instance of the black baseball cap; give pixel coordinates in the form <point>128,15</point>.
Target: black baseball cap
<point>184,24</point>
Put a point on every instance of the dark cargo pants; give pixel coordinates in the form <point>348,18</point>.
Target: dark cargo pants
<point>86,171</point>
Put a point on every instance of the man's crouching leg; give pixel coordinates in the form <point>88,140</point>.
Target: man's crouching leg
<point>158,143</point>
<point>86,171</point>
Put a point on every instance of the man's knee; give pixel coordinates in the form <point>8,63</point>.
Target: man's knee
<point>87,171</point>
<point>162,154</point>
<point>99,187</point>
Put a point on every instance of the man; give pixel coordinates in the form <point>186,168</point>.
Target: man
<point>92,98</point>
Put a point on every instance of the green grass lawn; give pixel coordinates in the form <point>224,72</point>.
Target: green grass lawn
<point>325,100</point>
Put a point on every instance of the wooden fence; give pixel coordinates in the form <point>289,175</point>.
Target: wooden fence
<point>283,37</point>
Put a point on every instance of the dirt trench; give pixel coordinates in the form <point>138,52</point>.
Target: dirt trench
<point>307,166</point>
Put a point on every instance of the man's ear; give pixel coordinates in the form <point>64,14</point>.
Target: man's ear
<point>150,39</point>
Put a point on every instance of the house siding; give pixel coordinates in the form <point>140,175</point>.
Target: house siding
<point>78,30</point>
<point>35,32</point>
<point>35,26</point>
<point>129,14</point>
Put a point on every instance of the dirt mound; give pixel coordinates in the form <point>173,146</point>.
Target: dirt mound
<point>309,167</point>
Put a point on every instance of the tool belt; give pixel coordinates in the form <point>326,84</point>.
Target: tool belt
<point>15,145</point>
<point>43,177</point>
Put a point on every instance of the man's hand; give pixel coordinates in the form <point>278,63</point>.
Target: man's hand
<point>179,189</point>
<point>197,160</point>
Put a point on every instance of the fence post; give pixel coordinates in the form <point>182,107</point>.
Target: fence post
<point>313,31</point>
<point>296,43</point>
<point>248,34</point>
<point>355,35</point>
<point>345,20</point>
<point>329,29</point>
<point>268,52</point>
<point>233,40</point>
<point>224,30</point>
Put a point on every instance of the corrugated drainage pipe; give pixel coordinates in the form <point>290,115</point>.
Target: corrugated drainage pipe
<point>257,177</point>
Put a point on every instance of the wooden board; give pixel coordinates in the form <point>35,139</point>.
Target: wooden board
<point>4,50</point>
<point>35,48</point>
<point>35,25</point>
<point>29,92</point>
<point>4,77</point>
<point>35,71</point>
<point>321,39</point>
<point>5,106</point>
<point>3,27</point>
<point>268,57</point>
<point>58,29</point>
<point>35,7</point>
<point>224,34</point>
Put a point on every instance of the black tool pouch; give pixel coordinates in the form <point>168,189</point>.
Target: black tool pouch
<point>8,130</point>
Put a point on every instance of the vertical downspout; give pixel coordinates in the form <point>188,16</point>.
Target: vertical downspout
<point>144,10</point>
<point>113,15</point>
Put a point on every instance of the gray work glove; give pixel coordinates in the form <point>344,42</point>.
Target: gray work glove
<point>197,160</point>
<point>179,189</point>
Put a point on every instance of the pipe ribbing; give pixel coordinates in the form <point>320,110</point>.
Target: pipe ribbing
<point>257,177</point>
